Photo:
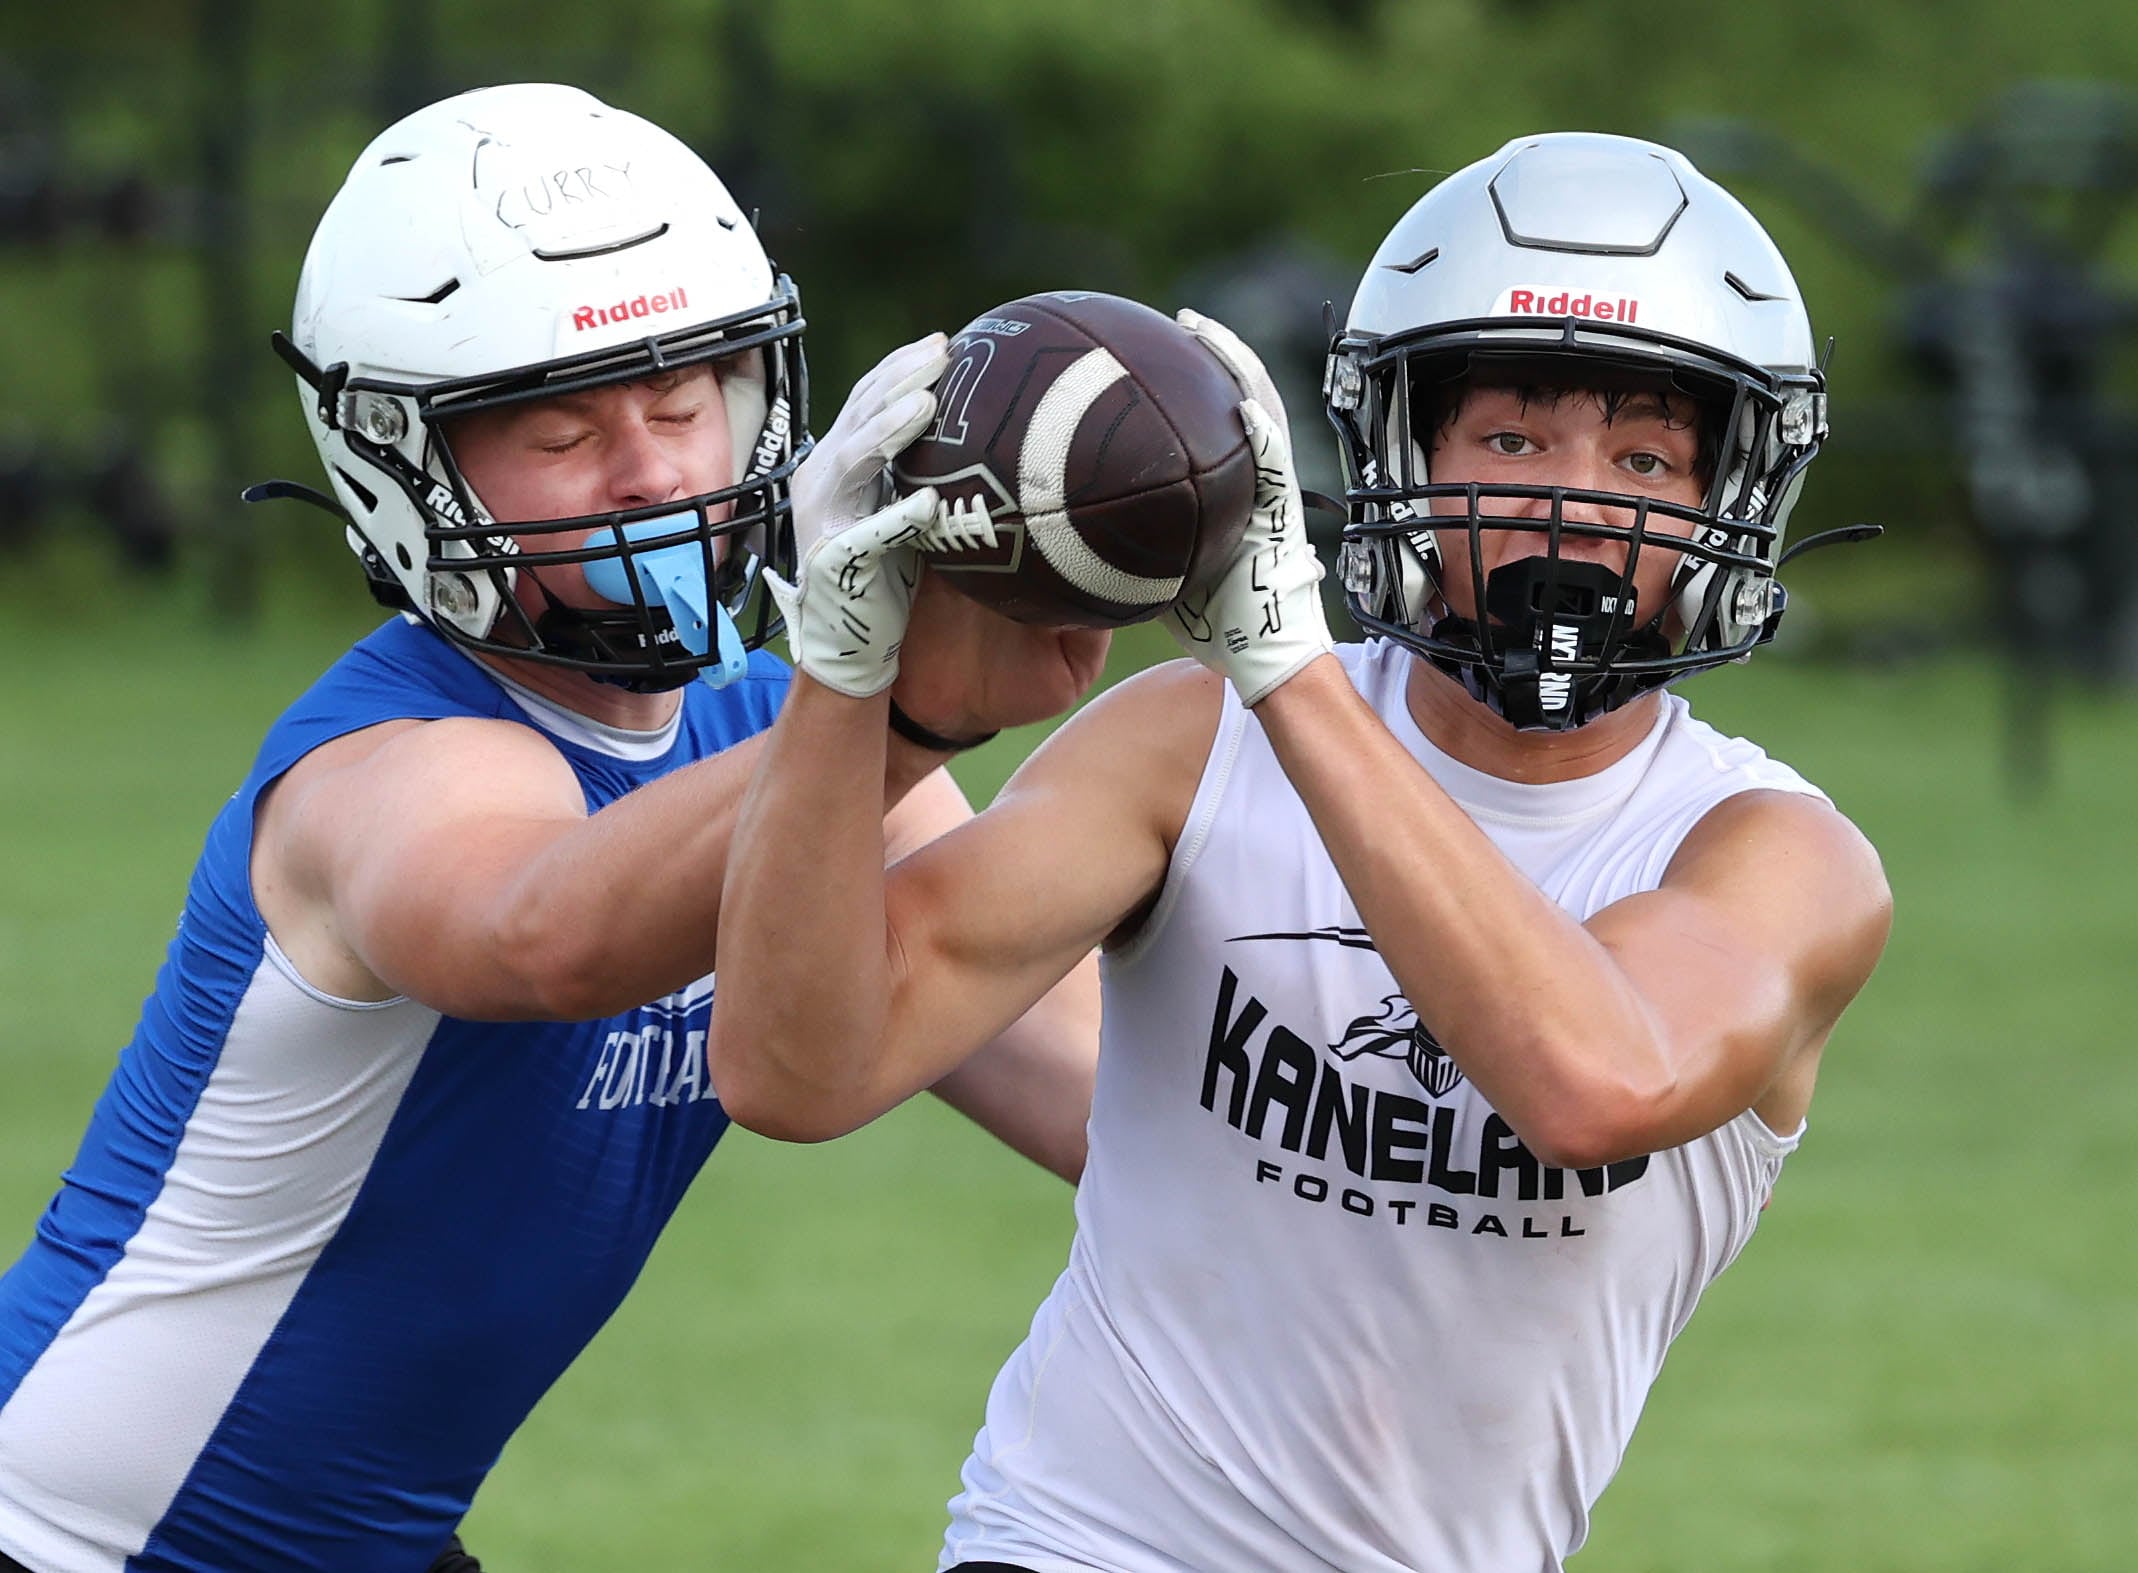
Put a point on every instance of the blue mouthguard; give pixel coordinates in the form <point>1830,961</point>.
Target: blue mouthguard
<point>674,577</point>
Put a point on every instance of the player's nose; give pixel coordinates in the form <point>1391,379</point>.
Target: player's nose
<point>1586,468</point>
<point>642,470</point>
<point>1589,470</point>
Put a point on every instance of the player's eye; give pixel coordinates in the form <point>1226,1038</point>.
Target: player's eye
<point>560,444</point>
<point>1507,442</point>
<point>1647,465</point>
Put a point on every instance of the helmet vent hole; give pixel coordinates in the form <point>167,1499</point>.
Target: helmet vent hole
<point>1746,290</point>
<point>408,563</point>
<point>1418,264</point>
<point>434,297</point>
<point>397,158</point>
<point>601,250</point>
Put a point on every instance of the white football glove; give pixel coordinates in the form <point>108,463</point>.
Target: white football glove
<point>1262,621</point>
<point>846,610</point>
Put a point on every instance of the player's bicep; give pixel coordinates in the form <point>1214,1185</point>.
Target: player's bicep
<point>1766,924</point>
<point>416,855</point>
<point>1726,1010</point>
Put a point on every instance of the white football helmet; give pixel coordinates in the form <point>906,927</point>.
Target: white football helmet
<point>516,243</point>
<point>1587,261</point>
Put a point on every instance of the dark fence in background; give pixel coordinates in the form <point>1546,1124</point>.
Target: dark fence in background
<point>154,207</point>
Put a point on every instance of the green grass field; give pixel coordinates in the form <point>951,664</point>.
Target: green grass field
<point>1927,1361</point>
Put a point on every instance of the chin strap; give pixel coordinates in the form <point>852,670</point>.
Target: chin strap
<point>598,638</point>
<point>1544,619</point>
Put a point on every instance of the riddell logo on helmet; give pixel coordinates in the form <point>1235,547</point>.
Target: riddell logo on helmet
<point>1545,302</point>
<point>584,317</point>
<point>444,504</point>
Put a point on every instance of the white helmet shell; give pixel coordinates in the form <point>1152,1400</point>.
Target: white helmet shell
<point>521,238</point>
<point>1594,228</point>
<point>1578,258</point>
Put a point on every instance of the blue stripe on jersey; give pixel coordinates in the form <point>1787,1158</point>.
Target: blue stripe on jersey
<point>465,1279</point>
<point>520,1185</point>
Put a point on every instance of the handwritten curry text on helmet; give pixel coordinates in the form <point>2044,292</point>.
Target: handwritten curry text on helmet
<point>518,243</point>
<point>1582,261</point>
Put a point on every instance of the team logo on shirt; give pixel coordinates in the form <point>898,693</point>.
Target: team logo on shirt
<point>655,1057</point>
<point>1326,1134</point>
<point>1393,1032</point>
<point>1396,1033</point>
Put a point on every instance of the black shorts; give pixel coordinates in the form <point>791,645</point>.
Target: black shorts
<point>453,1557</point>
<point>989,1567</point>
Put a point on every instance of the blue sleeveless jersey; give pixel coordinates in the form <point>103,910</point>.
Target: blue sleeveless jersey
<point>317,1259</point>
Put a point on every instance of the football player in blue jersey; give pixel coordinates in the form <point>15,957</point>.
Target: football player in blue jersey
<point>425,1072</point>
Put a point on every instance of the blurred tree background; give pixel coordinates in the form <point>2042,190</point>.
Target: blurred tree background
<point>915,164</point>
<point>1926,1361</point>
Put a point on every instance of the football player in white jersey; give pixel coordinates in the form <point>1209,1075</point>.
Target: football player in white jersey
<point>1463,993</point>
<point>424,1075</point>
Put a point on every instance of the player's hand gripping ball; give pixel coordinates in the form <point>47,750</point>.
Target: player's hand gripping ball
<point>1103,443</point>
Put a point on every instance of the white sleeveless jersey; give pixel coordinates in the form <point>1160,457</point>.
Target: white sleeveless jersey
<point>1324,1311</point>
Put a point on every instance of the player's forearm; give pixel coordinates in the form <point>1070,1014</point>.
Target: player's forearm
<point>799,1014</point>
<point>1537,1013</point>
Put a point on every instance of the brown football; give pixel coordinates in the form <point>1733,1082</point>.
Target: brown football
<point>1106,442</point>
